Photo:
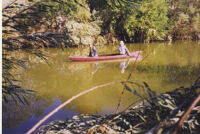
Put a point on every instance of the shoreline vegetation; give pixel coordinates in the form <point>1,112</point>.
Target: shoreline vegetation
<point>177,111</point>
<point>30,25</point>
<point>75,23</point>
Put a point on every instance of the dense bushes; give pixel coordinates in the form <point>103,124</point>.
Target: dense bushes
<point>184,19</point>
<point>146,20</point>
<point>132,21</point>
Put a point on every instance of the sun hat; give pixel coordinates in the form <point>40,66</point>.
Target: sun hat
<point>121,42</point>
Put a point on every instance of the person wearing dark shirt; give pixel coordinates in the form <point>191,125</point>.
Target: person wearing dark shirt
<point>93,51</point>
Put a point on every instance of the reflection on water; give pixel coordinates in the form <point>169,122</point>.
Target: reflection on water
<point>96,68</point>
<point>124,65</point>
<point>94,64</point>
<point>19,119</point>
<point>164,67</point>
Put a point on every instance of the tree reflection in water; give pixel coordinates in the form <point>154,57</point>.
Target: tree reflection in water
<point>14,114</point>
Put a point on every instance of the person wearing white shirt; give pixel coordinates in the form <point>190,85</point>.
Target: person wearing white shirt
<point>123,49</point>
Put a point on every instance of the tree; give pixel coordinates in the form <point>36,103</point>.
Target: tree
<point>28,26</point>
<point>184,19</point>
<point>137,20</point>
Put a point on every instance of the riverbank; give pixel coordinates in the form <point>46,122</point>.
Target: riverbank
<point>72,23</point>
<point>32,25</point>
<point>164,113</point>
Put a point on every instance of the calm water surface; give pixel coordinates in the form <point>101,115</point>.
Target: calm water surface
<point>164,67</point>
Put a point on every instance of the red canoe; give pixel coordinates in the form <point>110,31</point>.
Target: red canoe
<point>105,57</point>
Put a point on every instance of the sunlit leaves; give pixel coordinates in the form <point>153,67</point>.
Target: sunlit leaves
<point>133,20</point>
<point>184,16</point>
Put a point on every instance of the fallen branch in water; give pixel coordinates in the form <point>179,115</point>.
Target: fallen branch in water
<point>157,114</point>
<point>194,103</point>
<point>9,5</point>
<point>67,102</point>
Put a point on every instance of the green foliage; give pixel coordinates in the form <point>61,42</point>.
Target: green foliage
<point>83,12</point>
<point>184,19</point>
<point>36,24</point>
<point>30,25</point>
<point>148,20</point>
<point>97,4</point>
<point>65,7</point>
<point>136,20</point>
<point>76,10</point>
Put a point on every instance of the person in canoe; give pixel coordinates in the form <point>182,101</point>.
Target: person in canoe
<point>94,50</point>
<point>123,49</point>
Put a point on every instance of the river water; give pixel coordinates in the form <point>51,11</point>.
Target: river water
<point>164,67</point>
